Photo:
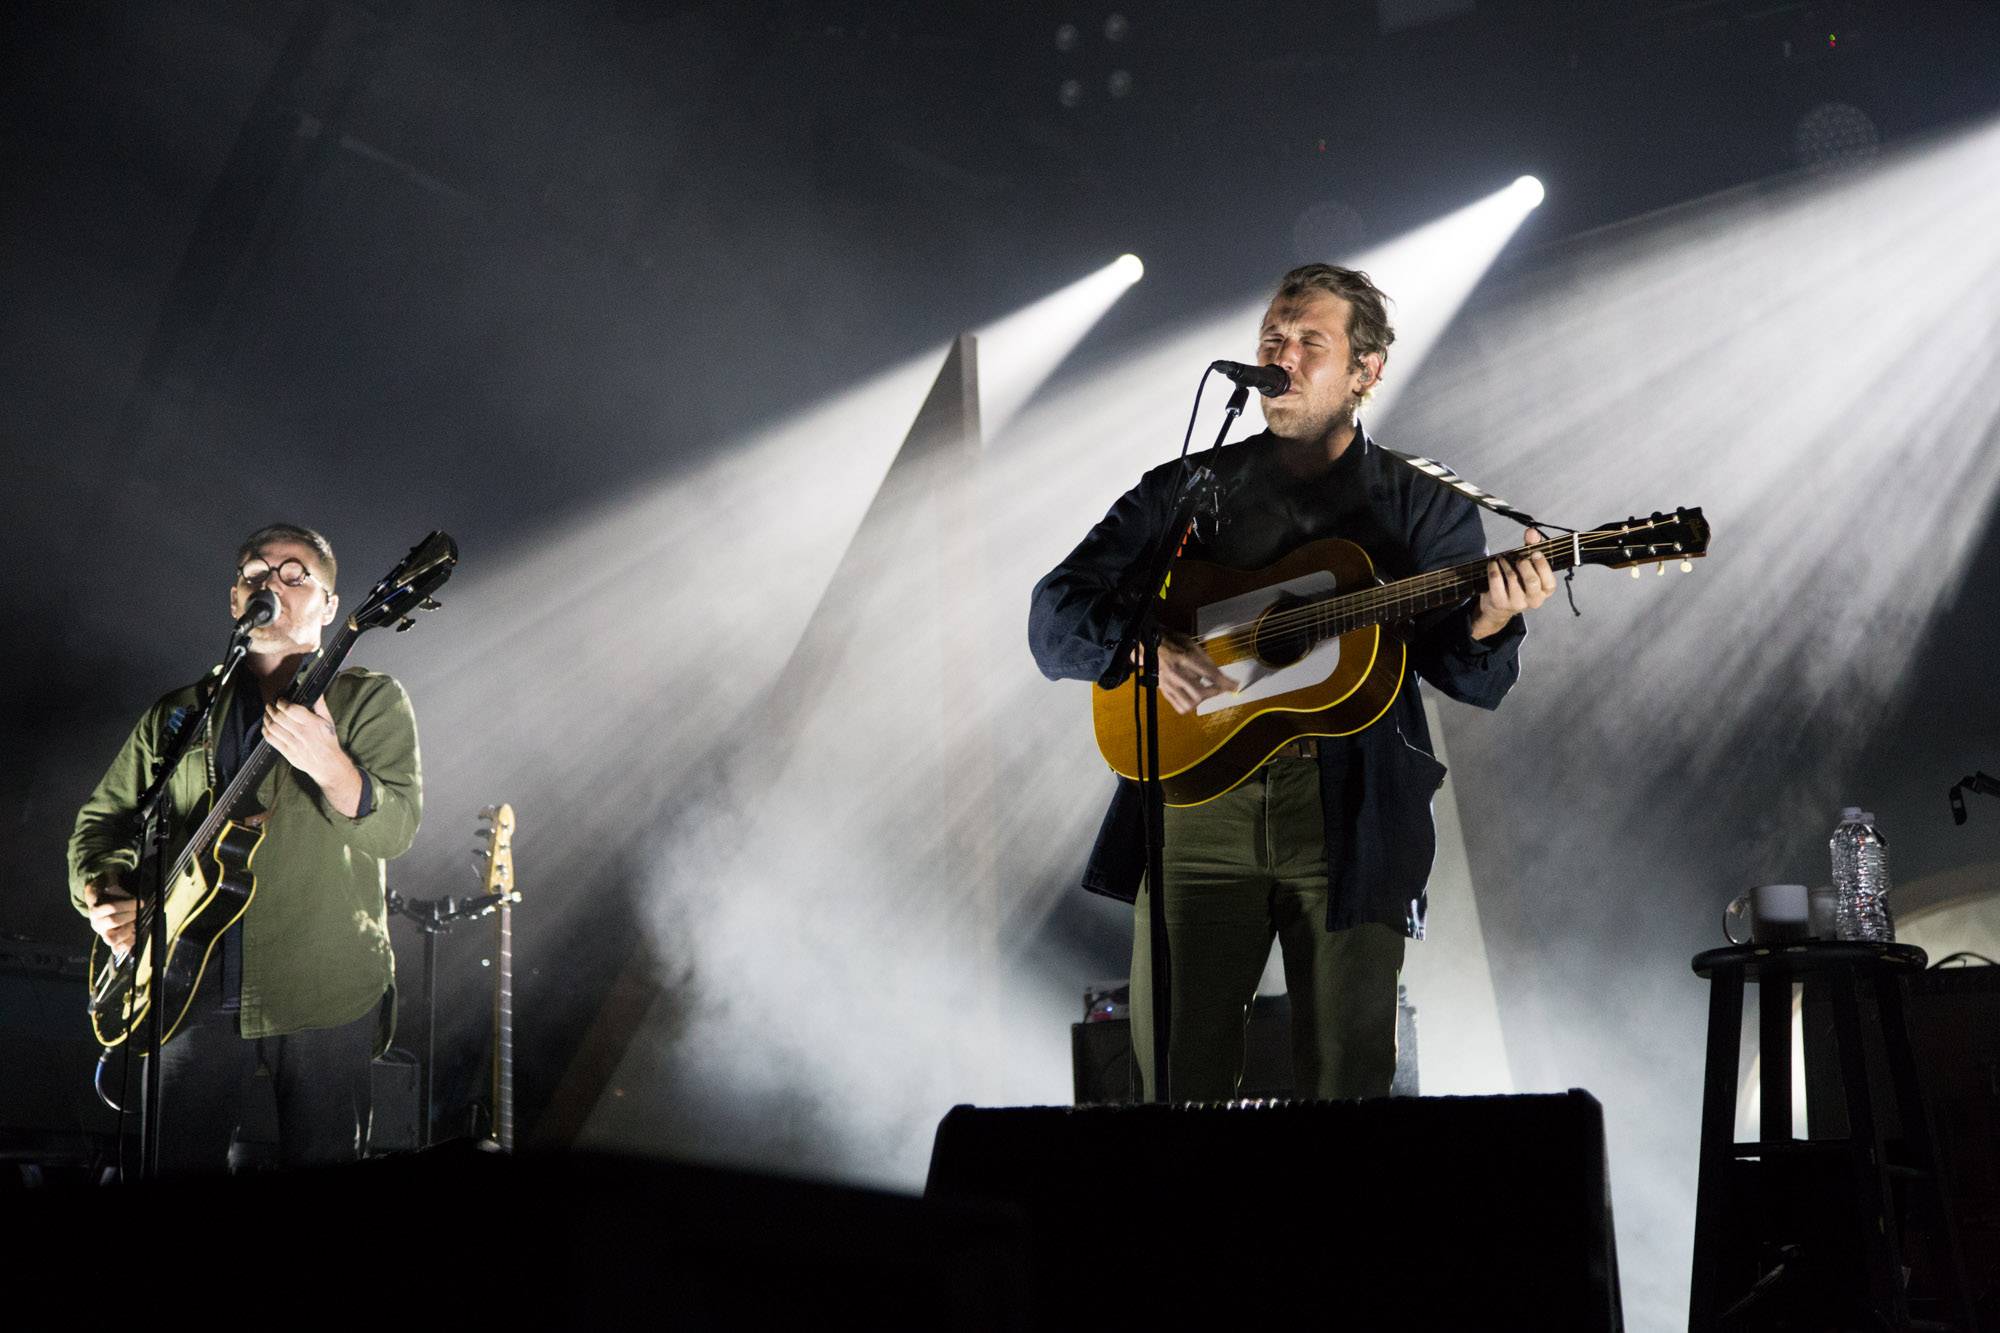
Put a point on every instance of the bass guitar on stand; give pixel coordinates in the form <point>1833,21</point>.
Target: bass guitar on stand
<point>498,888</point>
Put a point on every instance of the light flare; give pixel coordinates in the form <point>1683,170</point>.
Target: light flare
<point>1019,352</point>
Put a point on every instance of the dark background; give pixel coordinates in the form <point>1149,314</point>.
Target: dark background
<point>484,266</point>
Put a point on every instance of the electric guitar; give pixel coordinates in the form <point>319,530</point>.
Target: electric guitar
<point>498,885</point>
<point>1310,644</point>
<point>209,881</point>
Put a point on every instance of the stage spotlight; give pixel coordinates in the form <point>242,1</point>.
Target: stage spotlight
<point>1432,270</point>
<point>1070,93</point>
<point>1017,353</point>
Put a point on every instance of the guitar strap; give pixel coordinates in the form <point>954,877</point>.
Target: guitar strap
<point>1444,476</point>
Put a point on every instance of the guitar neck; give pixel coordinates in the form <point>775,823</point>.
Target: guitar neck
<point>305,691</point>
<point>1407,598</point>
<point>503,1034</point>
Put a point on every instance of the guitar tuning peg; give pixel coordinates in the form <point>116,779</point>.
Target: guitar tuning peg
<point>1687,566</point>
<point>406,623</point>
<point>489,812</point>
<point>481,854</point>
<point>1635,571</point>
<point>431,604</point>
<point>1660,568</point>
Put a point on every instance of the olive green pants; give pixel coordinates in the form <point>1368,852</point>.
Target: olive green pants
<point>1238,870</point>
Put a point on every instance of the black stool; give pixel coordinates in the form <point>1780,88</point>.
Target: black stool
<point>1806,1233</point>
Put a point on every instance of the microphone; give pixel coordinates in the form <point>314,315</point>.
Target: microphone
<point>261,609</point>
<point>1267,380</point>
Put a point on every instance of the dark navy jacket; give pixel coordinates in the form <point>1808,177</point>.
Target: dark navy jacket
<point>1376,786</point>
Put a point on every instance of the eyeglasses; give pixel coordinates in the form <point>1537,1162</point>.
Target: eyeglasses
<point>291,573</point>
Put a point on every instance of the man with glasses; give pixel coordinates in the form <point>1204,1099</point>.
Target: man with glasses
<point>301,984</point>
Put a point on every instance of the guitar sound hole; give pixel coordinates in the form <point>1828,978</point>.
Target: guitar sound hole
<point>1281,638</point>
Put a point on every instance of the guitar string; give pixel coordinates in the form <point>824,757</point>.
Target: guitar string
<point>1456,578</point>
<point>1415,588</point>
<point>1340,616</point>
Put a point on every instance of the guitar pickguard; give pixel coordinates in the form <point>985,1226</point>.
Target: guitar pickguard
<point>1254,679</point>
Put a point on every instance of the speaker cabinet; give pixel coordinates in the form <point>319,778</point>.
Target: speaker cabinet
<point>1442,1212</point>
<point>458,1237</point>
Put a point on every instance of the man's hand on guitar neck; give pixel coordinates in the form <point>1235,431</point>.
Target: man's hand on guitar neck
<point>1512,586</point>
<point>1187,675</point>
<point>113,913</point>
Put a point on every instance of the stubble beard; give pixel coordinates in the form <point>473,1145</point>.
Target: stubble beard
<point>1319,428</point>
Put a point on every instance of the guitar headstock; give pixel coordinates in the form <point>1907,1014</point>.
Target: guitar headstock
<point>408,587</point>
<point>1681,535</point>
<point>497,855</point>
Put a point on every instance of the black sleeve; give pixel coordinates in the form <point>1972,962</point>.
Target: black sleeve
<point>1079,606</point>
<point>1473,671</point>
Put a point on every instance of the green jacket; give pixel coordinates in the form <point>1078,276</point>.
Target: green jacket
<point>316,934</point>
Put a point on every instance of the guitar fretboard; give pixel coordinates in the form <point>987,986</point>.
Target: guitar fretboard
<point>1410,597</point>
<point>503,1032</point>
<point>1343,613</point>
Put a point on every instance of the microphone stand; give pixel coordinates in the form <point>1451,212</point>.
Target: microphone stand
<point>1142,632</point>
<point>156,843</point>
<point>434,917</point>
<point>1976,783</point>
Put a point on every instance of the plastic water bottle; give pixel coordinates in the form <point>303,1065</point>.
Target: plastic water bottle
<point>1860,878</point>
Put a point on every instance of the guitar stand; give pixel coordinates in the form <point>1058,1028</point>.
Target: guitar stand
<point>435,917</point>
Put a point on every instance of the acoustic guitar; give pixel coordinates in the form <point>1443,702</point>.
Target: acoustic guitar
<point>209,880</point>
<point>1314,647</point>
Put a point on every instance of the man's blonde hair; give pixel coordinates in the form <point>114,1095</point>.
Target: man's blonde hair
<point>1368,327</point>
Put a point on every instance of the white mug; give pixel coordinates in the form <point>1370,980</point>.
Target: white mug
<point>1779,914</point>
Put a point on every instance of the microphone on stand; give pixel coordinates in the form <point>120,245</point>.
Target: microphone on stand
<point>260,610</point>
<point>1267,380</point>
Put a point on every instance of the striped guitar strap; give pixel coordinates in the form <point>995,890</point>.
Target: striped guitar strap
<point>1444,476</point>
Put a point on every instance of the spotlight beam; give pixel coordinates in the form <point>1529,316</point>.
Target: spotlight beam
<point>1019,352</point>
<point>1430,272</point>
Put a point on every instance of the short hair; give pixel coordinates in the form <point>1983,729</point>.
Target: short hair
<point>322,549</point>
<point>1368,328</point>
